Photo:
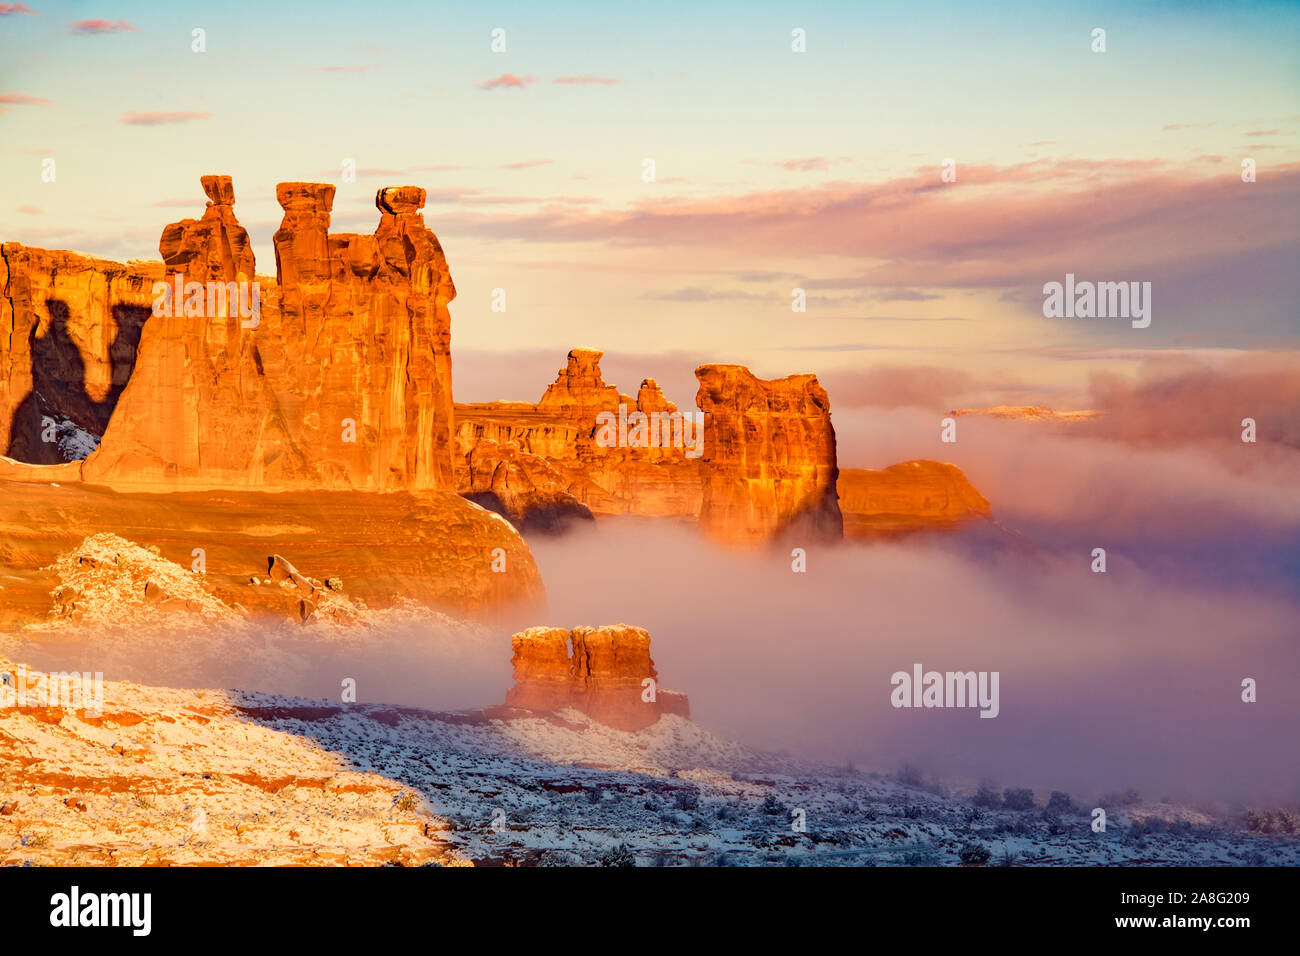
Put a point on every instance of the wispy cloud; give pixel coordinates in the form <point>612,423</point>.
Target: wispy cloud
<point>162,118</point>
<point>22,99</point>
<point>808,165</point>
<point>585,80</point>
<point>29,210</point>
<point>507,81</point>
<point>97,27</point>
<point>339,69</point>
<point>527,164</point>
<point>9,9</point>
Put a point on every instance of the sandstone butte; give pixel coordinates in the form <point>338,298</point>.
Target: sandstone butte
<point>601,671</point>
<point>327,427</point>
<point>766,466</point>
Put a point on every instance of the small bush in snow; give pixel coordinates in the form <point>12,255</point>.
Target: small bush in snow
<point>909,775</point>
<point>772,806</point>
<point>618,856</point>
<point>1020,798</point>
<point>987,798</point>
<point>686,799</point>
<point>1060,802</point>
<point>974,854</point>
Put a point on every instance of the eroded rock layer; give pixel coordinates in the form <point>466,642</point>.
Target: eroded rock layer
<point>69,327</point>
<point>341,379</point>
<point>555,460</point>
<point>769,462</point>
<point>605,672</point>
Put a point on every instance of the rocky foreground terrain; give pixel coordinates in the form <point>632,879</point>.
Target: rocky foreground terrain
<point>167,776</point>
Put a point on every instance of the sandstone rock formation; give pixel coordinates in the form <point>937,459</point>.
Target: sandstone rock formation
<point>910,496</point>
<point>69,327</point>
<point>343,379</point>
<point>563,429</point>
<point>603,676</point>
<point>769,461</point>
<point>767,465</point>
<point>322,396</point>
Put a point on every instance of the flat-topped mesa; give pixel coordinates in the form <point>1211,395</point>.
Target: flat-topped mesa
<point>609,675</point>
<point>907,497</point>
<point>342,380</point>
<point>769,468</point>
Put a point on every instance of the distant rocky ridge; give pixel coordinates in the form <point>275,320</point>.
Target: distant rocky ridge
<point>762,462</point>
<point>766,467</point>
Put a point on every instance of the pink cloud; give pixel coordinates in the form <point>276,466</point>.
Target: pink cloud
<point>997,226</point>
<point>808,165</point>
<point>585,80</point>
<point>95,27</point>
<point>1264,132</point>
<point>527,164</point>
<point>9,9</point>
<point>29,210</point>
<point>340,69</point>
<point>22,99</point>
<point>507,81</point>
<point>161,118</point>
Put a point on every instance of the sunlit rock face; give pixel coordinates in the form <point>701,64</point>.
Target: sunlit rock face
<point>769,463</point>
<point>338,376</point>
<point>605,672</point>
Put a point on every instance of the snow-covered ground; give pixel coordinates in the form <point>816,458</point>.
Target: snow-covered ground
<point>185,776</point>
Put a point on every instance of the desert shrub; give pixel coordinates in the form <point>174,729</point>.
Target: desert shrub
<point>1272,821</point>
<point>987,798</point>
<point>559,858</point>
<point>912,812</point>
<point>1019,798</point>
<point>687,799</point>
<point>1060,802</point>
<point>924,855</point>
<point>334,584</point>
<point>618,856</point>
<point>592,794</point>
<point>1123,798</point>
<point>976,854</point>
<point>772,806</point>
<point>909,775</point>
<point>406,802</point>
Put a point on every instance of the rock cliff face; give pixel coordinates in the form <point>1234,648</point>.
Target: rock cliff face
<point>319,402</point>
<point>769,463</point>
<point>910,496</point>
<point>341,379</point>
<point>603,676</point>
<point>69,327</point>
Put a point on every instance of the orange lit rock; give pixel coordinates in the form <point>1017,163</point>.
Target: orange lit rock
<point>342,381</point>
<point>910,496</point>
<point>604,676</point>
<point>769,460</point>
